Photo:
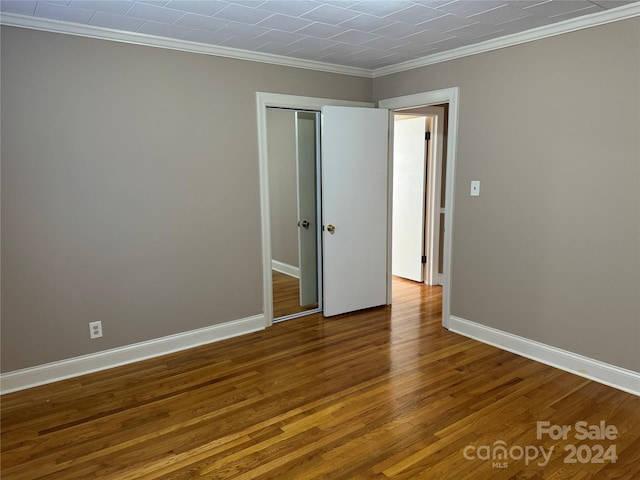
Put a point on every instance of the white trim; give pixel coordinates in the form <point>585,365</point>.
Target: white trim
<point>94,362</point>
<point>434,182</point>
<point>571,25</point>
<point>450,96</point>
<point>546,31</point>
<point>607,374</point>
<point>264,100</point>
<point>90,31</point>
<point>285,268</point>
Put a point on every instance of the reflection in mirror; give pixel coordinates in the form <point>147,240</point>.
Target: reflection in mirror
<point>293,191</point>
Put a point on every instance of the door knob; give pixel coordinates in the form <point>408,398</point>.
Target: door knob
<point>331,229</point>
<point>305,224</point>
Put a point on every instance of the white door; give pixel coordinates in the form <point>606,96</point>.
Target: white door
<point>354,200</point>
<point>307,222</point>
<point>409,174</point>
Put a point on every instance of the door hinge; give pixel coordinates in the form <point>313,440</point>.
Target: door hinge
<point>427,135</point>
<point>424,259</point>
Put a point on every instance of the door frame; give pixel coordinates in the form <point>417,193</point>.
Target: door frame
<point>433,195</point>
<point>277,100</point>
<point>434,97</point>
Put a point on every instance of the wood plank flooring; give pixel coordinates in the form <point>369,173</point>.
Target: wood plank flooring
<point>286,295</point>
<point>382,393</point>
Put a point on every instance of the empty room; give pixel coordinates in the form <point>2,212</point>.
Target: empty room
<point>287,239</point>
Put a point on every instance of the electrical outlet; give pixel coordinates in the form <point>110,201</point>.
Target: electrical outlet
<point>475,188</point>
<point>95,329</point>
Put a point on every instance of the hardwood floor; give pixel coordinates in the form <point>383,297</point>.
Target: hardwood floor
<point>382,393</point>
<point>286,295</point>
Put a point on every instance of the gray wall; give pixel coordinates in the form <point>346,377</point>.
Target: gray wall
<point>283,195</point>
<point>550,250</point>
<point>130,190</point>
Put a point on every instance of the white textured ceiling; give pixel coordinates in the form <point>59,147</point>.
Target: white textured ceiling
<point>367,34</point>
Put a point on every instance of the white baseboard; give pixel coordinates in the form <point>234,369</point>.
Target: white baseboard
<point>611,375</point>
<point>285,268</point>
<point>74,367</point>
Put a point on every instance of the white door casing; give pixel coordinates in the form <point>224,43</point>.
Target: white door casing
<point>436,97</point>
<point>434,183</point>
<point>354,202</point>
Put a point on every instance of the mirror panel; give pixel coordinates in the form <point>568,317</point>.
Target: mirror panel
<point>292,163</point>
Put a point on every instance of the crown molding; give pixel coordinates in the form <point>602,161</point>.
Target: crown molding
<point>90,31</point>
<point>571,25</point>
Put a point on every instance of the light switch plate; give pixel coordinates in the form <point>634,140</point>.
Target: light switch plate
<point>475,188</point>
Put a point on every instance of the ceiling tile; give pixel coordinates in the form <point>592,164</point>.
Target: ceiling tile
<point>21,7</point>
<point>201,22</point>
<point>499,15</point>
<point>62,3</point>
<point>276,49</point>
<point>466,8</point>
<point>243,43</point>
<point>308,43</point>
<point>381,8</point>
<point>288,7</point>
<point>612,3</point>
<point>280,37</point>
<point>366,22</point>
<point>523,24</point>
<point>312,48</point>
<point>342,3</point>
<point>354,37</point>
<point>369,54</point>
<point>162,29</point>
<point>414,49</point>
<point>346,49</point>
<point>321,30</point>
<point>64,13</point>
<point>155,3</point>
<point>427,36</point>
<point>208,7</point>
<point>238,13</point>
<point>476,30</point>
<point>333,57</point>
<point>449,44</point>
<point>578,13</point>
<point>440,3</point>
<point>416,15</point>
<point>154,13</point>
<point>558,7</point>
<point>202,36</point>
<point>286,23</point>
<point>446,23</point>
<point>385,43</point>
<point>397,57</point>
<point>330,14</point>
<point>398,30</point>
<point>116,22</point>
<point>107,6</point>
<point>242,30</point>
